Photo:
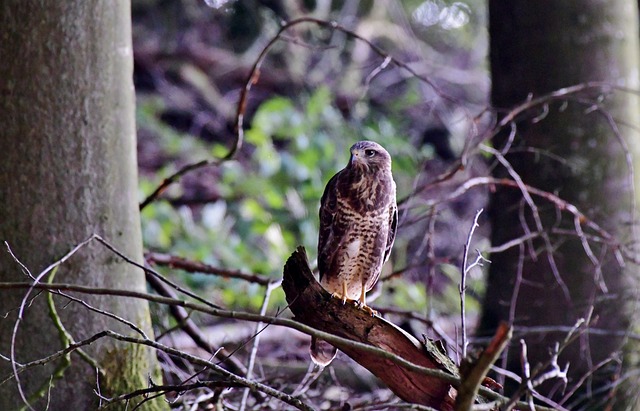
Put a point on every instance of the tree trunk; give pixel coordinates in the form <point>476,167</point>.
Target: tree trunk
<point>538,47</point>
<point>68,170</point>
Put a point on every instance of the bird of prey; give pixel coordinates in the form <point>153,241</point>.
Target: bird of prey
<point>358,220</point>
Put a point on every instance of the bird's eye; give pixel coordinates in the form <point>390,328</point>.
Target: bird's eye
<point>370,153</point>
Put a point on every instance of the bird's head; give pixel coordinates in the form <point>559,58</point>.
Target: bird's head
<point>369,156</point>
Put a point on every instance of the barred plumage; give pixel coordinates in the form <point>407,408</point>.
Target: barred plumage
<point>358,220</point>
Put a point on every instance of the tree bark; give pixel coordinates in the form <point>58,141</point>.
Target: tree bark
<point>538,47</point>
<point>68,170</point>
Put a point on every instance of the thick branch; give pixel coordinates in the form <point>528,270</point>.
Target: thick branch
<point>314,306</point>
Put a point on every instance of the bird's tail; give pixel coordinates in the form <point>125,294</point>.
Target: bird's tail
<point>322,353</point>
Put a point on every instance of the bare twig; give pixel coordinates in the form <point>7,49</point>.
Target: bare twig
<point>565,329</point>
<point>312,374</point>
<point>438,331</point>
<point>462,288</point>
<point>23,305</point>
<point>536,217</point>
<point>558,202</point>
<point>151,272</point>
<point>541,372</point>
<point>174,177</point>
<point>514,296</point>
<point>163,389</point>
<point>190,328</point>
<point>198,267</point>
<point>233,378</point>
<point>254,74</point>
<point>256,342</point>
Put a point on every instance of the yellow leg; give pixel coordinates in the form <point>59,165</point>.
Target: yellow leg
<point>363,297</point>
<point>362,303</point>
<point>343,295</point>
<point>344,292</point>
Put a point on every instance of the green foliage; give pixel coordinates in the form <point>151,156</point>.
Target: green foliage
<point>405,296</point>
<point>270,201</point>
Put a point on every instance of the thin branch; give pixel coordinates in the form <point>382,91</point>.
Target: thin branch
<point>462,288</point>
<point>256,342</point>
<point>111,315</point>
<point>152,272</point>
<point>233,378</point>
<point>174,177</point>
<point>522,331</point>
<point>533,378</point>
<point>254,74</point>
<point>198,267</point>
<point>23,305</point>
<point>536,217</point>
<point>24,268</point>
<point>254,318</point>
<point>163,389</point>
<point>558,202</point>
<point>519,276</point>
<point>190,327</point>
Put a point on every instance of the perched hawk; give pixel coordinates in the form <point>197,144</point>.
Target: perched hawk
<point>358,219</point>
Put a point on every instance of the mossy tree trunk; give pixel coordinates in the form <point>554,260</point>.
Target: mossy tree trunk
<point>68,170</point>
<point>538,47</point>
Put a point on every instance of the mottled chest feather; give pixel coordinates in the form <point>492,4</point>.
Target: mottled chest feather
<point>358,220</point>
<point>367,192</point>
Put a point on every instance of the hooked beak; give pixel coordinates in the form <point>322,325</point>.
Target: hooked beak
<point>355,157</point>
<point>358,161</point>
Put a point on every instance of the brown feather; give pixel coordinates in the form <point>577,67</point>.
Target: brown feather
<point>358,222</point>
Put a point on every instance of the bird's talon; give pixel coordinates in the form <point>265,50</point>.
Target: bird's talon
<point>343,299</point>
<point>368,309</point>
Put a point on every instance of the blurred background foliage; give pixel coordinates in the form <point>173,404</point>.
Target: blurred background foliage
<point>319,91</point>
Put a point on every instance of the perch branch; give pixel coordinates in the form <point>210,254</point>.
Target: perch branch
<point>314,306</point>
<point>416,372</point>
